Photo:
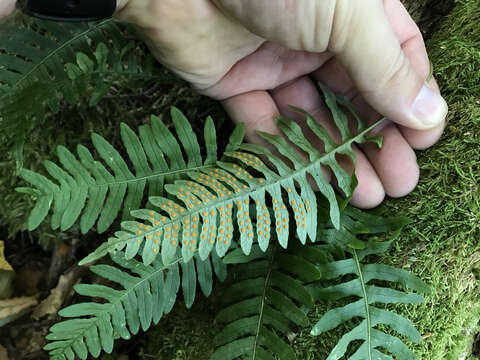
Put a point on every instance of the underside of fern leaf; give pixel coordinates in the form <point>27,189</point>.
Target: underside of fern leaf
<point>68,62</point>
<point>84,190</point>
<point>242,193</point>
<point>375,343</point>
<point>265,303</point>
<point>140,297</point>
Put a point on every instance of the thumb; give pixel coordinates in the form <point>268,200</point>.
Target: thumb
<point>365,43</point>
<point>362,38</point>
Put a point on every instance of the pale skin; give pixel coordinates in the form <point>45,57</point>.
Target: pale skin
<point>259,56</point>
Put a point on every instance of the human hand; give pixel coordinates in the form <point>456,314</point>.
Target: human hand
<point>259,56</point>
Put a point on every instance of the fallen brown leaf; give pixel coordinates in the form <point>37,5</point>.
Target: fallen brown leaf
<point>4,265</point>
<point>12,309</point>
<point>6,275</point>
<point>3,353</point>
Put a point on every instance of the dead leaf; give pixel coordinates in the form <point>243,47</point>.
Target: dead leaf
<point>6,275</point>
<point>4,265</point>
<point>3,353</point>
<point>12,309</point>
<point>53,303</point>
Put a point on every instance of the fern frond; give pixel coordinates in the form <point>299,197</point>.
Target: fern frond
<point>265,303</point>
<point>85,190</point>
<point>44,62</point>
<point>142,296</point>
<point>92,78</point>
<point>202,212</point>
<point>368,293</point>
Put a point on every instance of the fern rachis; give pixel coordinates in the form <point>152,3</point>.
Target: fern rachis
<point>148,292</point>
<point>300,268</point>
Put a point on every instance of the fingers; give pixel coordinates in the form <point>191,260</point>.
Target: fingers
<point>304,94</point>
<point>257,110</point>
<point>190,37</point>
<point>298,25</point>
<point>395,163</point>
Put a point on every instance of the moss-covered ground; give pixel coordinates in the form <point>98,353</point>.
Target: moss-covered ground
<point>442,246</point>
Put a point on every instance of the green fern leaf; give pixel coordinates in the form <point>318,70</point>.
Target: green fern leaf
<point>148,292</point>
<point>43,63</point>
<point>90,193</point>
<point>264,303</point>
<point>203,212</point>
<point>355,222</point>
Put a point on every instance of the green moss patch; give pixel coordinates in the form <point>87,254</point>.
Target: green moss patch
<point>442,246</point>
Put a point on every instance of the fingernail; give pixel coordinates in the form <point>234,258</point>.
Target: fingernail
<point>429,108</point>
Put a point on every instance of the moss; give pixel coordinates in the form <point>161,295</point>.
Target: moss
<point>415,7</point>
<point>442,246</point>
<point>183,335</point>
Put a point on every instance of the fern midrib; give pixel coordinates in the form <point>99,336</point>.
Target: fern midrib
<point>147,177</point>
<point>57,50</point>
<point>262,304</point>
<point>127,291</point>
<point>367,309</point>
<point>178,171</point>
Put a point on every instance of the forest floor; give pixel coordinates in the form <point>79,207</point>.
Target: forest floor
<point>441,246</point>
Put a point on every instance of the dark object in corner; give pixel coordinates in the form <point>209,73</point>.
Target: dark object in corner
<point>69,10</point>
